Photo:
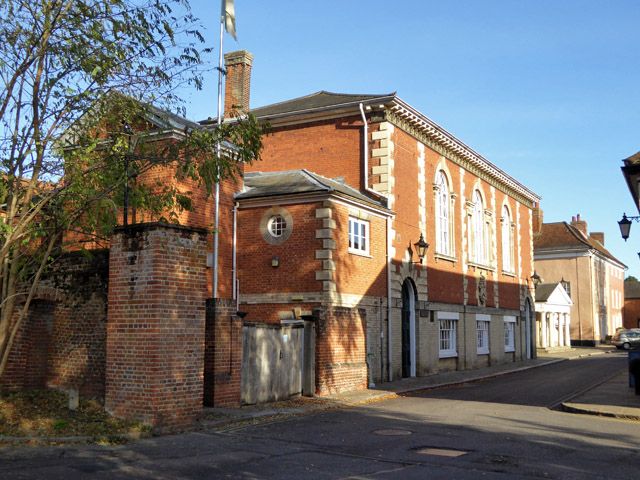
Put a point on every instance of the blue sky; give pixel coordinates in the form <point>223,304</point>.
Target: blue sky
<point>548,90</point>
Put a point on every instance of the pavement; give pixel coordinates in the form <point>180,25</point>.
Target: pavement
<point>611,398</point>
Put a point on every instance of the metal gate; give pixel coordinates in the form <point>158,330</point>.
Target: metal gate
<point>272,362</point>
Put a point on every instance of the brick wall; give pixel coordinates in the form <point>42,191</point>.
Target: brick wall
<point>631,313</point>
<point>341,351</point>
<point>223,354</point>
<point>331,148</point>
<point>297,263</point>
<point>61,342</point>
<point>156,324</point>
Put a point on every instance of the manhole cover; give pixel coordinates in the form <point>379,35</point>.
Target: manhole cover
<point>440,452</point>
<point>392,432</point>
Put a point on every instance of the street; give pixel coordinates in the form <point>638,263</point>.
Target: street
<point>497,428</point>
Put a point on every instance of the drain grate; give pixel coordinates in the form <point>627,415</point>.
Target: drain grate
<point>440,452</point>
<point>392,432</point>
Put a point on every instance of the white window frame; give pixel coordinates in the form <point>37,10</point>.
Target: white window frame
<point>443,215</point>
<point>482,330</point>
<point>507,241</point>
<point>478,231</point>
<point>359,231</point>
<point>277,226</point>
<point>509,333</point>
<point>450,321</point>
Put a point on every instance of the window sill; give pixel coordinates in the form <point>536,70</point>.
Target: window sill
<point>509,350</point>
<point>448,354</point>
<point>483,352</point>
<point>508,273</point>
<point>481,266</point>
<point>445,257</point>
<point>360,253</point>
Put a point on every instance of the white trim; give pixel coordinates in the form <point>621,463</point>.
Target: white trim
<point>358,234</point>
<point>509,326</point>
<point>452,318</point>
<point>298,198</point>
<point>483,320</point>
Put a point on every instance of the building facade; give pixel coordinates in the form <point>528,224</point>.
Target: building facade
<point>468,302</point>
<point>593,278</point>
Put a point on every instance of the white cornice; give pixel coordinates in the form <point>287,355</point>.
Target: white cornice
<point>450,146</point>
<point>314,197</point>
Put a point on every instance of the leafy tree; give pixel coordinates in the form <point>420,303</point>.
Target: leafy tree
<point>77,81</point>
<point>631,279</point>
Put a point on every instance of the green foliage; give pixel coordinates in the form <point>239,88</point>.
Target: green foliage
<point>77,129</point>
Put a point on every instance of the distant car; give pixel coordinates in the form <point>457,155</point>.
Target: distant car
<point>626,339</point>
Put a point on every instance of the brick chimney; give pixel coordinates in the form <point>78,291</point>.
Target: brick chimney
<point>238,81</point>
<point>579,224</point>
<point>599,236</point>
<point>538,217</point>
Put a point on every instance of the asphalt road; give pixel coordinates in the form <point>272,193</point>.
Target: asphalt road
<point>545,386</point>
<point>489,430</point>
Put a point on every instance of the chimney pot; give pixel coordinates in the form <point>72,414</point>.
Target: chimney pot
<point>579,224</point>
<point>598,236</point>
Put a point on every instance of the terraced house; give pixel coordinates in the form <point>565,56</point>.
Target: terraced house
<point>431,249</point>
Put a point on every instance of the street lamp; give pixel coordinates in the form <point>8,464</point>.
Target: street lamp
<point>537,279</point>
<point>625,225</point>
<point>421,248</point>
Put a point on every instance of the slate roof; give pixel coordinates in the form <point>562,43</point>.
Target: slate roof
<point>270,184</point>
<point>318,101</point>
<point>166,119</point>
<point>544,291</point>
<point>563,235</point>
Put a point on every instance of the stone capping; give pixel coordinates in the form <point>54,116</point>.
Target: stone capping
<point>238,57</point>
<point>148,226</point>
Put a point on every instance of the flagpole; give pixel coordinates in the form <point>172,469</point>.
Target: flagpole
<point>218,152</point>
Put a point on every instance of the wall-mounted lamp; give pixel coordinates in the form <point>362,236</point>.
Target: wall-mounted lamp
<point>275,262</point>
<point>421,248</point>
<point>625,225</point>
<point>536,279</point>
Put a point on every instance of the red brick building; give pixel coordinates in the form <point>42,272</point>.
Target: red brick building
<point>327,227</point>
<point>466,304</point>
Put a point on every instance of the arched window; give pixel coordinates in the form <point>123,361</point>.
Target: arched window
<point>507,241</point>
<point>443,234</point>
<point>478,231</point>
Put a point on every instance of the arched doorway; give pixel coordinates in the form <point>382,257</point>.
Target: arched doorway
<point>408,329</point>
<point>528,328</point>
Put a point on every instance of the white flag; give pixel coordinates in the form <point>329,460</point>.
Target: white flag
<point>229,16</point>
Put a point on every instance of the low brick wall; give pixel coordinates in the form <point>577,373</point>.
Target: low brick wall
<point>223,354</point>
<point>341,352</point>
<point>61,342</point>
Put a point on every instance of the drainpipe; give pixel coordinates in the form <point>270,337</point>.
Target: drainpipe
<point>365,149</point>
<point>389,372</point>
<point>234,268</point>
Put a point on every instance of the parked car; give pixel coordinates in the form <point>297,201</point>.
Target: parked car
<point>627,339</point>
